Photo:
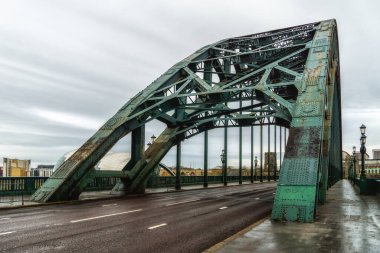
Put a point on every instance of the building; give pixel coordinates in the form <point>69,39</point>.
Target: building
<point>111,161</point>
<point>1,171</point>
<point>372,168</point>
<point>16,167</point>
<point>42,171</point>
<point>376,154</point>
<point>346,162</point>
<point>359,156</point>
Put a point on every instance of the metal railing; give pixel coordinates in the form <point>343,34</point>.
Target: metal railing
<point>19,189</point>
<point>156,182</point>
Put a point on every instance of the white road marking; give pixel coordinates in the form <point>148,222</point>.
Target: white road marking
<point>58,224</point>
<point>109,205</point>
<point>257,198</point>
<point>218,196</point>
<point>5,218</point>
<point>7,233</point>
<point>157,226</point>
<point>103,216</point>
<point>223,207</point>
<point>182,202</point>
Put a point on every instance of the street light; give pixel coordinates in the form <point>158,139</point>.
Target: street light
<point>149,144</point>
<point>362,149</point>
<point>362,129</point>
<point>363,139</point>
<point>354,160</point>
<point>256,161</point>
<point>153,138</point>
<point>224,167</point>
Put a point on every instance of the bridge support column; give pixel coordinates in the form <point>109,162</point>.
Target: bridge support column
<point>224,168</point>
<point>178,167</point>
<point>240,146</point>
<point>205,162</point>
<point>280,147</point>
<point>261,152</point>
<point>268,157</point>
<point>310,149</point>
<point>137,153</point>
<point>252,154</point>
<point>275,153</point>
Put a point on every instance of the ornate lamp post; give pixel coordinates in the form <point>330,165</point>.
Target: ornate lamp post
<point>256,161</point>
<point>152,138</point>
<point>363,139</point>
<point>354,161</point>
<point>224,166</point>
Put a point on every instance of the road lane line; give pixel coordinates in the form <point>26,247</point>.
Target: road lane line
<point>109,205</point>
<point>7,233</point>
<point>103,216</point>
<point>257,198</point>
<point>223,207</point>
<point>5,218</point>
<point>157,226</point>
<point>182,202</point>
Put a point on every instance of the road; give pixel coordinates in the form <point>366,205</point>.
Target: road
<point>185,221</point>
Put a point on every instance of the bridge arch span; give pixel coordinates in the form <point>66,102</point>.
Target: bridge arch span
<point>287,77</point>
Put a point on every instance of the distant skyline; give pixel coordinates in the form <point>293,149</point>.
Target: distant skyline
<point>67,66</point>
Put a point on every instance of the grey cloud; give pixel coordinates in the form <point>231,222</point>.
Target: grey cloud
<point>90,57</point>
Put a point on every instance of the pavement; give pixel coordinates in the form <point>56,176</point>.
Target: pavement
<point>181,221</point>
<point>348,222</point>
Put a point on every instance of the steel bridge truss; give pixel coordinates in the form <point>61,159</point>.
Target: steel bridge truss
<point>287,77</point>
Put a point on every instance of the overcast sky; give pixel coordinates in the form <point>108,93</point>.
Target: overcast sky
<point>67,66</point>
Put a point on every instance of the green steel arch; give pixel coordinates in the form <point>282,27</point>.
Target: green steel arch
<point>287,77</point>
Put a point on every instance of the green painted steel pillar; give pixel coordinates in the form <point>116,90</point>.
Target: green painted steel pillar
<point>261,151</point>
<point>227,70</point>
<point>309,147</point>
<point>280,147</point>
<point>224,168</point>
<point>178,167</point>
<point>275,153</point>
<point>137,153</point>
<point>240,147</point>
<point>268,157</point>
<point>207,76</point>
<point>205,161</point>
<point>252,154</point>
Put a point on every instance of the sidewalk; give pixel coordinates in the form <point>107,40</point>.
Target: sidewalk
<point>348,222</point>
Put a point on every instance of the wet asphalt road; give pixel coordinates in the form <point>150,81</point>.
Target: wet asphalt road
<point>186,221</point>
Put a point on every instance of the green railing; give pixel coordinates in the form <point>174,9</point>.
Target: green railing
<point>14,186</point>
<point>368,186</point>
<point>102,183</point>
<point>21,185</point>
<point>156,182</point>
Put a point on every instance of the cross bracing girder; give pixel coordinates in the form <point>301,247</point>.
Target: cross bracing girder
<point>290,75</point>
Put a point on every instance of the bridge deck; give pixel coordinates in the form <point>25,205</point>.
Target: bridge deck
<point>19,200</point>
<point>348,222</point>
